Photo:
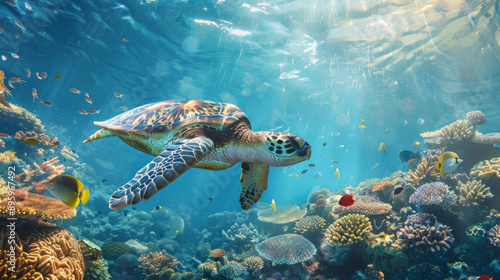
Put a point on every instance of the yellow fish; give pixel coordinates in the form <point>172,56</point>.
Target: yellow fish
<point>362,126</point>
<point>177,232</point>
<point>11,153</point>
<point>363,120</point>
<point>273,205</point>
<point>68,189</point>
<point>337,172</point>
<point>448,162</point>
<point>31,141</point>
<point>114,235</point>
<point>416,144</point>
<point>381,147</point>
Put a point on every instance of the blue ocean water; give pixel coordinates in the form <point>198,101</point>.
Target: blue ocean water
<point>345,76</point>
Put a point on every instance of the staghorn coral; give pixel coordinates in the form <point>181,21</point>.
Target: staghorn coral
<point>17,118</point>
<point>455,133</point>
<point>283,214</point>
<point>473,192</point>
<point>155,263</point>
<point>52,251</point>
<point>69,155</point>
<point>242,235</point>
<point>50,168</point>
<point>426,172</point>
<point>494,236</point>
<point>112,250</point>
<point>253,264</point>
<point>28,174</point>
<point>486,168</point>
<point>476,117</point>
<point>40,137</point>
<point>36,206</point>
<point>349,229</point>
<point>286,249</point>
<point>429,194</point>
<point>365,205</point>
<point>309,224</point>
<point>423,237</point>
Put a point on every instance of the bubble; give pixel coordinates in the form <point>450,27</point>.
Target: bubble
<point>191,44</point>
<point>246,91</point>
<point>420,121</point>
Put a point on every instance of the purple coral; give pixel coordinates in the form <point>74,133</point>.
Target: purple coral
<point>286,249</point>
<point>421,218</point>
<point>426,237</point>
<point>429,194</point>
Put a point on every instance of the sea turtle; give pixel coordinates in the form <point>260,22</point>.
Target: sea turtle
<point>198,133</point>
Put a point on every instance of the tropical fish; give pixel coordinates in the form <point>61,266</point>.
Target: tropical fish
<point>406,155</point>
<point>324,144</point>
<point>68,189</point>
<point>58,76</point>
<point>416,144</point>
<point>448,162</point>
<point>44,75</point>
<point>20,24</point>
<point>104,180</point>
<point>312,165</point>
<point>336,134</point>
<point>157,207</point>
<point>14,55</point>
<point>420,121</point>
<point>28,6</point>
<point>381,147</point>
<point>398,190</point>
<point>39,76</point>
<point>92,111</point>
<point>317,175</point>
<point>337,172</point>
<point>125,40</point>
<point>117,94</point>
<point>34,93</point>
<point>87,97</point>
<point>124,108</point>
<point>1,29</point>
<point>362,126</point>
<point>340,146</point>
<point>211,198</point>
<point>28,72</point>
<point>74,90</point>
<point>484,277</point>
<point>363,120</point>
<point>4,135</point>
<point>304,171</point>
<point>11,153</point>
<point>4,58</point>
<point>114,235</point>
<point>273,205</point>
<point>403,123</point>
<point>46,103</point>
<point>374,166</point>
<point>54,143</point>
<point>31,141</point>
<point>321,137</point>
<point>83,112</point>
<point>12,3</point>
<point>346,200</point>
<point>217,254</point>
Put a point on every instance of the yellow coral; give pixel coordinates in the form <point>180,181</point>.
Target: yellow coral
<point>349,229</point>
<point>426,172</point>
<point>486,168</point>
<point>253,264</point>
<point>473,193</point>
<point>309,224</point>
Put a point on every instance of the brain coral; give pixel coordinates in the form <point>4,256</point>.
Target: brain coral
<point>112,250</point>
<point>283,214</point>
<point>486,168</point>
<point>24,269</point>
<point>309,224</point>
<point>425,237</point>
<point>52,251</point>
<point>324,193</point>
<point>365,205</point>
<point>473,193</point>
<point>286,249</point>
<point>349,229</point>
<point>429,194</point>
<point>36,206</point>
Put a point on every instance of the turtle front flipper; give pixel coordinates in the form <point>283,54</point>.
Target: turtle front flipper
<point>253,183</point>
<point>160,172</point>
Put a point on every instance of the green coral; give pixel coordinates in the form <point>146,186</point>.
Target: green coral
<point>392,261</point>
<point>473,193</point>
<point>112,250</point>
<point>349,229</point>
<point>96,270</point>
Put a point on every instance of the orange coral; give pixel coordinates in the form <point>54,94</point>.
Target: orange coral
<point>45,251</point>
<point>51,169</point>
<point>39,187</point>
<point>36,206</point>
<point>28,173</point>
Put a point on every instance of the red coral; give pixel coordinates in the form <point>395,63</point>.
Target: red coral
<point>40,189</point>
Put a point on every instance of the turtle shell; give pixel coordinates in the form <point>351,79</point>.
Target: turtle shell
<point>173,115</point>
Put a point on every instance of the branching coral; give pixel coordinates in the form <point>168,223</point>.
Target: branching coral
<point>426,171</point>
<point>457,132</point>
<point>253,264</point>
<point>36,206</point>
<point>17,118</point>
<point>51,169</point>
<point>494,236</point>
<point>51,250</point>
<point>286,249</point>
<point>8,156</point>
<point>242,235</point>
<point>155,263</point>
<point>349,229</point>
<point>425,237</point>
<point>40,137</point>
<point>365,205</point>
<point>476,117</point>
<point>283,214</point>
<point>473,193</point>
<point>309,224</point>
<point>486,168</point>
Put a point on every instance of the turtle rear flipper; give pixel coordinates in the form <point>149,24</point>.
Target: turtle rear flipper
<point>160,172</point>
<point>253,182</point>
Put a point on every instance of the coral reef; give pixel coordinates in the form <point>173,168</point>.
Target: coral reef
<point>490,138</point>
<point>309,224</point>
<point>112,250</point>
<point>40,137</point>
<point>127,260</point>
<point>286,249</point>
<point>253,264</point>
<point>283,214</point>
<point>2,143</point>
<point>233,271</point>
<point>208,270</point>
<point>494,236</point>
<point>383,190</point>
<point>242,235</point>
<point>458,132</point>
<point>389,260</point>
<point>24,269</point>
<point>349,229</point>
<point>424,237</point>
<point>485,169</point>
<point>476,117</point>
<point>473,192</point>
<point>97,270</point>
<point>429,194</point>
<point>365,205</point>
<point>35,206</point>
<point>155,263</point>
<point>17,118</point>
<point>335,254</point>
<point>323,192</point>
<point>426,171</point>
<point>90,250</point>
<point>51,250</point>
<point>136,247</point>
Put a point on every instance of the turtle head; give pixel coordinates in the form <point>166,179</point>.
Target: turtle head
<point>286,149</point>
